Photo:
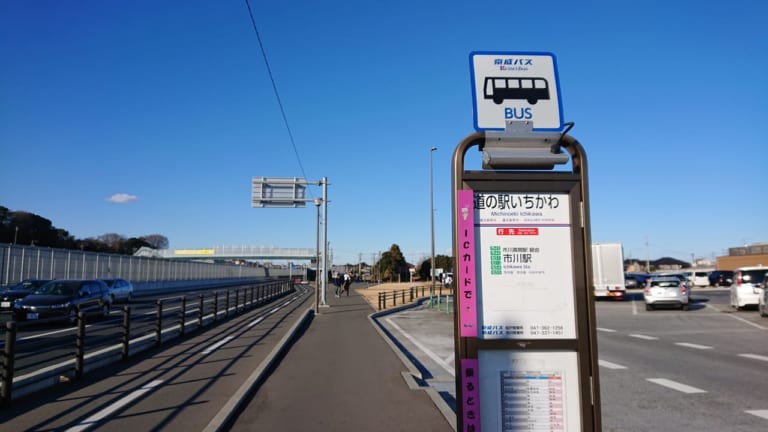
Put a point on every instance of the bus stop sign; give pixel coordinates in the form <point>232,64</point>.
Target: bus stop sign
<point>516,86</point>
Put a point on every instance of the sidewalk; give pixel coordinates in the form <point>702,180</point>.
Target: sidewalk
<point>341,375</point>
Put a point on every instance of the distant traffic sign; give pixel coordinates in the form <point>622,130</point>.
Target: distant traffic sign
<point>515,86</point>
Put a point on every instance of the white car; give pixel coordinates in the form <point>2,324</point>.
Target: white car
<point>745,289</point>
<point>666,290</point>
<point>700,278</point>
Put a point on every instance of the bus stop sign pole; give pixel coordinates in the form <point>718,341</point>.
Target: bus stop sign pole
<point>525,333</point>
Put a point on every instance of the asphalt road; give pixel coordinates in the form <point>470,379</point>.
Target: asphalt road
<point>700,370</point>
<point>178,386</point>
<point>39,345</point>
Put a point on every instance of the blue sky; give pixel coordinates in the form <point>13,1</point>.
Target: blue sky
<point>170,104</point>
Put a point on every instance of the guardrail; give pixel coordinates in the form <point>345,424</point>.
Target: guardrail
<point>389,299</point>
<point>171,320</point>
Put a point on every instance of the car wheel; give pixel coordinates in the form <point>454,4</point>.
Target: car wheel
<point>762,311</point>
<point>104,311</point>
<point>648,307</point>
<point>685,307</point>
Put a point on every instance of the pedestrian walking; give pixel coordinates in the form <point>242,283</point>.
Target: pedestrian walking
<point>339,282</point>
<point>347,283</point>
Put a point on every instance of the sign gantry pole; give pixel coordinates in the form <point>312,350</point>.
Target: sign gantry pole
<point>323,291</point>
<point>291,193</point>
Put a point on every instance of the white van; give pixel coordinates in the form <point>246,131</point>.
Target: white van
<point>700,277</point>
<point>745,288</point>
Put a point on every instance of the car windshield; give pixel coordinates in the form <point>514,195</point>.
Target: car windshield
<point>665,283</point>
<point>109,282</point>
<point>27,285</point>
<point>58,288</point>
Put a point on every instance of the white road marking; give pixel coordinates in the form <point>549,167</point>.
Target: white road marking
<point>424,349</point>
<point>91,421</point>
<point>694,346</point>
<point>754,356</point>
<point>254,322</point>
<point>274,310</point>
<point>606,330</point>
<point>217,345</point>
<point>675,385</point>
<point>609,365</point>
<point>450,358</point>
<point>759,413</point>
<point>51,333</point>
<point>645,337</point>
<point>734,316</point>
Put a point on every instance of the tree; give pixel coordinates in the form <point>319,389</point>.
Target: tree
<point>28,228</point>
<point>32,229</point>
<point>156,241</point>
<point>441,262</point>
<point>392,265</point>
<point>112,241</point>
<point>131,245</point>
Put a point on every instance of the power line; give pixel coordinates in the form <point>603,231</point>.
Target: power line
<point>274,87</point>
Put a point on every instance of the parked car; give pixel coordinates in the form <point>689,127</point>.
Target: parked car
<point>20,290</point>
<point>119,290</point>
<point>636,280</point>
<point>745,280</point>
<point>720,278</point>
<point>700,278</point>
<point>666,290</point>
<point>61,299</point>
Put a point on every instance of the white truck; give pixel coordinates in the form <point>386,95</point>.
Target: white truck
<point>608,271</point>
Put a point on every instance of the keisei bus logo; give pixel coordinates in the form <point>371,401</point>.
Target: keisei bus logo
<point>528,88</point>
<point>513,62</point>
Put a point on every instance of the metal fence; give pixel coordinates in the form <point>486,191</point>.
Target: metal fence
<point>19,262</point>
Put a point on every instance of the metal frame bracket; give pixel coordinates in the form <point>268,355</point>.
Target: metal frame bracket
<point>520,147</point>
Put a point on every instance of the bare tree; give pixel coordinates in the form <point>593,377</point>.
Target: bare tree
<point>156,241</point>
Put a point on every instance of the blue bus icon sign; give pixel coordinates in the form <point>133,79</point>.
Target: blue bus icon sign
<point>515,85</point>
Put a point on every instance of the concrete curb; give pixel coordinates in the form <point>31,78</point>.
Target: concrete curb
<point>228,413</point>
<point>415,375</point>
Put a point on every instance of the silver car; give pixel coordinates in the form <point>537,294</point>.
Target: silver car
<point>666,290</point>
<point>119,289</point>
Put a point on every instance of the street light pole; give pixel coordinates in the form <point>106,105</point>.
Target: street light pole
<point>317,257</point>
<point>432,217</point>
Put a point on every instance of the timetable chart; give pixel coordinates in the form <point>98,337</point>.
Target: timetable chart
<point>532,401</point>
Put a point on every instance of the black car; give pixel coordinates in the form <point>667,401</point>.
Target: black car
<point>721,278</point>
<point>61,300</point>
<point>635,280</point>
<point>20,290</point>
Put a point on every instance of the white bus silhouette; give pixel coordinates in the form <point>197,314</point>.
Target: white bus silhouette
<point>528,88</point>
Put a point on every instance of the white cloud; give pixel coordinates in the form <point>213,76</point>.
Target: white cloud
<point>122,198</point>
